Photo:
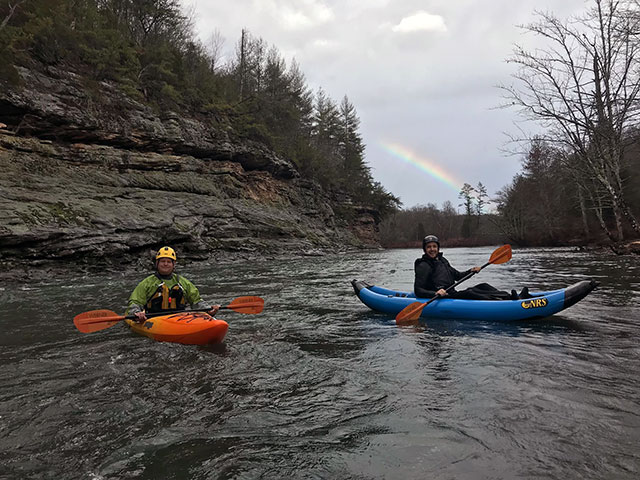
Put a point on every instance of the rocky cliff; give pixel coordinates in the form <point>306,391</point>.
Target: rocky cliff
<point>88,173</point>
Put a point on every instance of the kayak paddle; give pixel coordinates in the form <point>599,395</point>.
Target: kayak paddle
<point>411,313</point>
<point>96,320</point>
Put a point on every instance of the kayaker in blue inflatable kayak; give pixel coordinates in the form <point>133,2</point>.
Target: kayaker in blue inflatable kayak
<point>435,276</point>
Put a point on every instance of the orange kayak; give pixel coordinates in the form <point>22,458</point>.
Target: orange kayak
<point>190,328</point>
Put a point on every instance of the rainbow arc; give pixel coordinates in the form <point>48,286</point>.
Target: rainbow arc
<point>424,164</point>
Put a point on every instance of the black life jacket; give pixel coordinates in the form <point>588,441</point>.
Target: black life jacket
<point>442,274</point>
<point>166,298</point>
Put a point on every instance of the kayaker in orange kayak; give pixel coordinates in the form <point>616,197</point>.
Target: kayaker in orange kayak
<point>165,290</point>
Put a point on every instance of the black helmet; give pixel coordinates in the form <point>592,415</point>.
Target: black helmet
<point>428,239</point>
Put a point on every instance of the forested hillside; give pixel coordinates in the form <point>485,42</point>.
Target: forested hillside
<point>121,132</point>
<point>149,50</point>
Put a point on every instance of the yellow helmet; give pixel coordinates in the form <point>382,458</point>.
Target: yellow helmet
<point>166,252</point>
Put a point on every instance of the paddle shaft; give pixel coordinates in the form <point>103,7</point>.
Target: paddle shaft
<point>149,315</point>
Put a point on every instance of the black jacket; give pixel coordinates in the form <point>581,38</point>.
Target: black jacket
<point>432,274</point>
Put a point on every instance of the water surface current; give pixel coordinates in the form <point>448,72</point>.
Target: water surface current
<point>320,387</point>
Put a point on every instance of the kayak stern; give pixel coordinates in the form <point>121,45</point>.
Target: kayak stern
<point>576,292</point>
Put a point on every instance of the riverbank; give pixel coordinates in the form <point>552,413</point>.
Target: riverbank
<point>631,247</point>
<point>626,248</point>
<point>30,271</point>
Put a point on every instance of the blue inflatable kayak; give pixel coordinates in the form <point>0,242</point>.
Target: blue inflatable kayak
<point>542,304</point>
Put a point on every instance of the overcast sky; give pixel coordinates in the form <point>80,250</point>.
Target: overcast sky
<point>421,74</point>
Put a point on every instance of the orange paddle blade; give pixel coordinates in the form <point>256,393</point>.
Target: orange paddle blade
<point>95,320</point>
<point>501,255</point>
<point>410,314</point>
<point>248,304</point>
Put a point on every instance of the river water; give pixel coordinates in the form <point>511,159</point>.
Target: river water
<point>319,387</point>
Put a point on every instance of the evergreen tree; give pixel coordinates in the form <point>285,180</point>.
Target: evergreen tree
<point>466,194</point>
<point>351,147</point>
<point>325,135</point>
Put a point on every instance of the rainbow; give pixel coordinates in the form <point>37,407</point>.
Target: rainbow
<point>423,164</point>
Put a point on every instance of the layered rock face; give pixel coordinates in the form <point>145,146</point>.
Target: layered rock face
<point>87,172</point>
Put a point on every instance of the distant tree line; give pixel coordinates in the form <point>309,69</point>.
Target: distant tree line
<point>474,226</point>
<point>148,48</point>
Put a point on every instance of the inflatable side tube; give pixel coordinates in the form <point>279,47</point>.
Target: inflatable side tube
<point>359,285</point>
<point>576,292</point>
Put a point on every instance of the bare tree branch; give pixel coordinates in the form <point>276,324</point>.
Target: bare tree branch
<point>584,89</point>
<point>12,10</point>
